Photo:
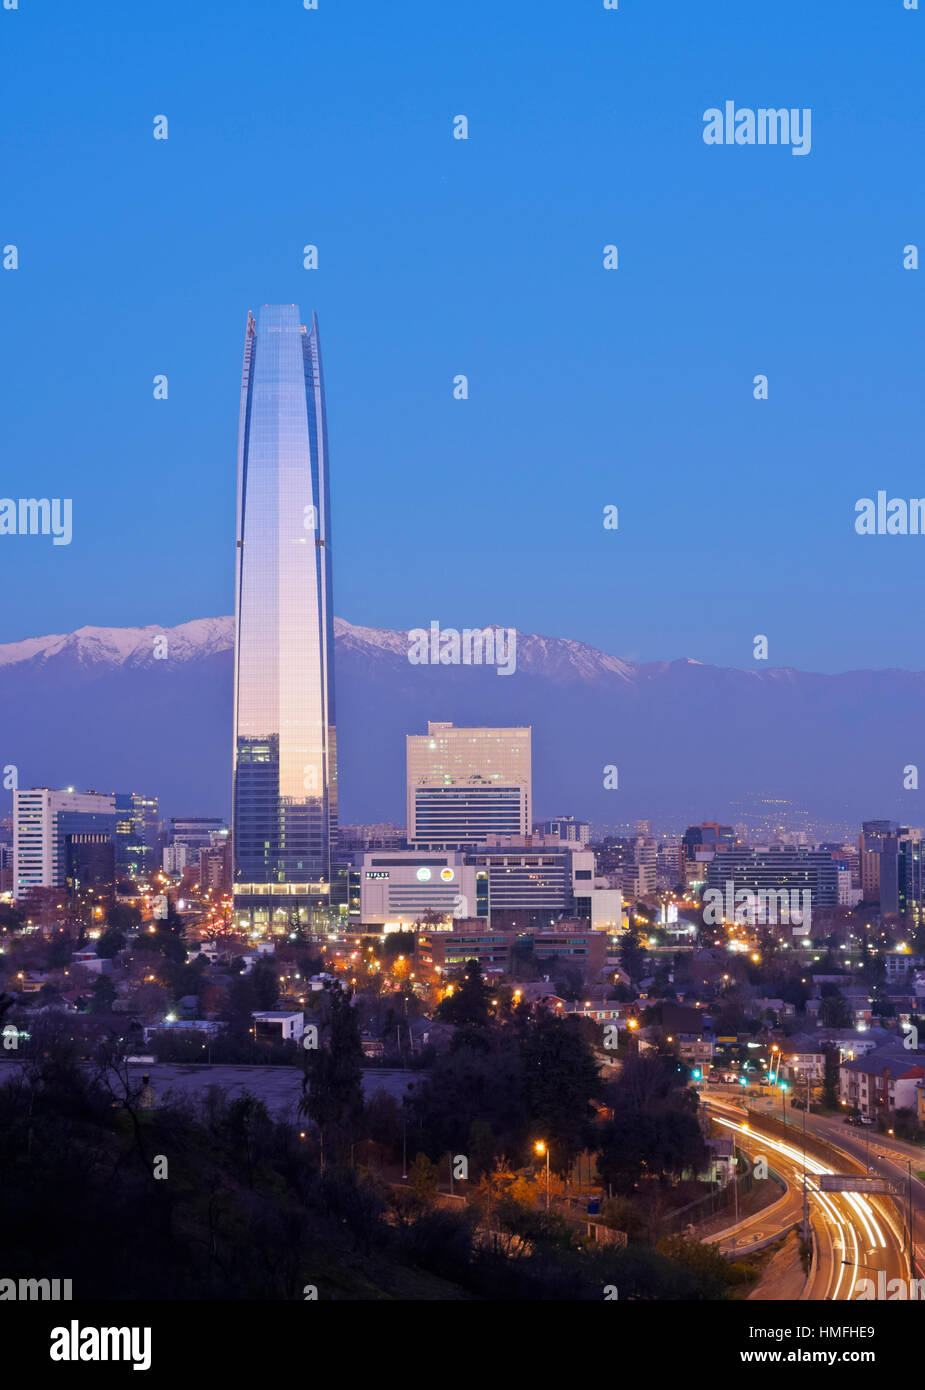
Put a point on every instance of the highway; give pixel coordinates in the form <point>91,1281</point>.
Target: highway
<point>884,1155</point>
<point>857,1236</point>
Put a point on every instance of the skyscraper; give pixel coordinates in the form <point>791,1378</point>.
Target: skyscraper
<point>698,845</point>
<point>878,844</point>
<point>44,820</point>
<point>285,759</point>
<point>467,784</point>
<point>136,834</point>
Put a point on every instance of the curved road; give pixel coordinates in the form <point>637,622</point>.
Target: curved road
<point>857,1236</point>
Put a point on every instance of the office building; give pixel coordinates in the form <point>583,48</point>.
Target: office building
<point>878,848</point>
<point>89,872</point>
<point>614,860</point>
<point>465,785</point>
<point>537,874</point>
<point>136,835</point>
<point>566,828</point>
<point>436,951</point>
<point>699,844</point>
<point>762,870</point>
<point>606,908</point>
<point>285,748</point>
<point>215,870</point>
<point>197,832</point>
<point>381,836</point>
<point>666,864</point>
<point>43,819</point>
<point>394,889</point>
<point>645,860</point>
<point>497,949</point>
<point>911,881</point>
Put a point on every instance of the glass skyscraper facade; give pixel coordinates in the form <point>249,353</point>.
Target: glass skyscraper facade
<point>136,834</point>
<point>285,759</point>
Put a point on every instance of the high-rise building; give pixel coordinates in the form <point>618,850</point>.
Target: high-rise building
<point>911,876</point>
<point>566,828</point>
<point>214,869</point>
<point>645,859</point>
<point>614,859</point>
<point>380,836</point>
<point>465,785</point>
<point>285,754</point>
<point>878,846</point>
<point>770,869</point>
<point>667,863</point>
<point>197,832</point>
<point>539,875</point>
<point>90,868</point>
<point>136,834</point>
<point>699,843</point>
<point>43,820</point>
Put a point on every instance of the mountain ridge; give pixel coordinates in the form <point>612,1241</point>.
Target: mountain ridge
<point>149,708</point>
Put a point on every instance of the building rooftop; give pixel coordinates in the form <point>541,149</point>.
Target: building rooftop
<point>892,1058</point>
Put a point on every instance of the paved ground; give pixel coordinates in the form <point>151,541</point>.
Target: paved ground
<point>280,1088</point>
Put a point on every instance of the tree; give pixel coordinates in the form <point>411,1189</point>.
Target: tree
<point>478,1082</point>
<point>332,1087</point>
<point>211,998</point>
<point>481,1147</point>
<point>242,1001</point>
<point>560,1078</point>
<point>397,943</point>
<point>654,1130</point>
<point>266,984</point>
<point>906,1124</point>
<point>11,917</point>
<point>167,936</point>
<point>110,943</point>
<point>468,1004</point>
<point>102,996</point>
<point>150,1000</point>
<point>834,1011</point>
<point>423,1177</point>
<point>830,1076</point>
<point>382,1122</point>
<point>632,956</point>
<point>122,917</point>
<point>569,982</point>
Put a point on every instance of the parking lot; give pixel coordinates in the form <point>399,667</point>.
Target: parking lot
<point>280,1088</point>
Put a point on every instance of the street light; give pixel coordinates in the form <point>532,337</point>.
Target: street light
<point>542,1148</point>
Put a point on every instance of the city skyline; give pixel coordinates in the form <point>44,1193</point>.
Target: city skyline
<point>78,703</point>
<point>545,923</point>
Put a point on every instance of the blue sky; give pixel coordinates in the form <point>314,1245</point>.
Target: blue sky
<point>481,257</point>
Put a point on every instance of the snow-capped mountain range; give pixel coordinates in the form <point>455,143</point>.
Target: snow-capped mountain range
<point>149,709</point>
